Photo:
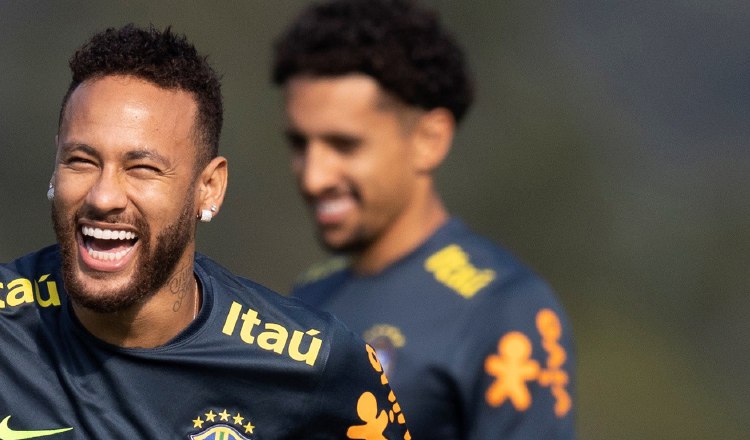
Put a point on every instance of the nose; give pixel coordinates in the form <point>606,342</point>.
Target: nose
<point>316,168</point>
<point>108,194</point>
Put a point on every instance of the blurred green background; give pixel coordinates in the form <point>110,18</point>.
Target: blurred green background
<point>607,148</point>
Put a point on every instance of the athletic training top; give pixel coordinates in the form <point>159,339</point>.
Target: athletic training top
<point>474,343</point>
<point>253,365</point>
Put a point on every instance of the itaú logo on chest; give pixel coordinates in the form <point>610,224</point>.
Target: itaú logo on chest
<point>451,266</point>
<point>271,336</point>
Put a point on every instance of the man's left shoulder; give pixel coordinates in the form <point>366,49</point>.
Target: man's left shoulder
<point>495,284</point>
<point>264,319</point>
<point>42,260</point>
<point>470,265</point>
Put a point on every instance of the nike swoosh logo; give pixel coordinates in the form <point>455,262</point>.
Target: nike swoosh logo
<point>6,433</point>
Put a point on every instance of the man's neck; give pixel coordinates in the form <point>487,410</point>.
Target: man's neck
<point>150,324</point>
<point>404,236</point>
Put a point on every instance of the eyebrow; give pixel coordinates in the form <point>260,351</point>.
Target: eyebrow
<point>130,155</point>
<point>333,137</point>
<point>146,154</point>
<point>69,148</point>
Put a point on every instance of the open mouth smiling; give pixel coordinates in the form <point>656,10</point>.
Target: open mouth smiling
<point>107,244</point>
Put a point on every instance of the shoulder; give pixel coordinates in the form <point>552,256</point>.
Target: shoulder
<point>498,287</point>
<point>335,363</point>
<point>44,260</point>
<point>513,335</point>
<point>322,270</point>
<point>321,280</point>
<point>502,294</point>
<point>267,320</point>
<point>229,287</point>
<point>31,286</point>
<point>469,264</point>
<point>37,269</point>
<point>355,392</point>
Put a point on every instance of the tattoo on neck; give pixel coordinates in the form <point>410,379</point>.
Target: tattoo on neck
<point>180,285</point>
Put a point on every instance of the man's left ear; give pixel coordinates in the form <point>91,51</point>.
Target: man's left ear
<point>434,137</point>
<point>212,185</point>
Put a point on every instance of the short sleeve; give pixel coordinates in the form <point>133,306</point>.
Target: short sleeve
<point>516,366</point>
<point>355,396</point>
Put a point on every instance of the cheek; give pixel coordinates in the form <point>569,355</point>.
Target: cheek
<point>71,191</point>
<point>160,204</point>
<point>387,172</point>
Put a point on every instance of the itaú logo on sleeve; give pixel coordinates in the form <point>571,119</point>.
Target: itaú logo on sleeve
<point>271,336</point>
<point>25,291</point>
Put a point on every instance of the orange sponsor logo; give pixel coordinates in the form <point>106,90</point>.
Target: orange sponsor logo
<point>513,367</point>
<point>375,420</point>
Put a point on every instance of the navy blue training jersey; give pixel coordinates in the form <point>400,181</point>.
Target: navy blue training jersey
<point>253,365</point>
<point>474,343</point>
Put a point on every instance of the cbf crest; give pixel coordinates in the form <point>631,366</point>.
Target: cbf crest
<point>386,340</point>
<point>219,432</point>
<point>223,426</point>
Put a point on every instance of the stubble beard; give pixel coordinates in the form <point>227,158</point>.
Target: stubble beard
<point>357,242</point>
<point>153,266</point>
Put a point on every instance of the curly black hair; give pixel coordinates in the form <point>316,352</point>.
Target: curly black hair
<point>398,43</point>
<point>163,58</point>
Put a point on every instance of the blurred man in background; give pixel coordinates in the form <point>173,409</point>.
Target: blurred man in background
<point>121,330</point>
<point>475,343</point>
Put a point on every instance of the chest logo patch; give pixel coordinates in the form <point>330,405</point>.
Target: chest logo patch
<point>219,432</point>
<point>386,340</point>
<point>223,426</point>
<point>513,367</point>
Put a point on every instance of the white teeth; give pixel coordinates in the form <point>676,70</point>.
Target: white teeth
<point>107,234</point>
<point>332,206</point>
<point>107,256</point>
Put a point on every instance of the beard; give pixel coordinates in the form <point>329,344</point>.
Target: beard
<point>357,242</point>
<point>155,263</point>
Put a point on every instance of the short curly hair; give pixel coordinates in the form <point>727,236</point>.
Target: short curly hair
<point>160,57</point>
<point>398,43</point>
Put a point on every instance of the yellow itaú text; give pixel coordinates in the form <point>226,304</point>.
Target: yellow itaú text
<point>451,266</point>
<point>25,291</point>
<point>272,337</point>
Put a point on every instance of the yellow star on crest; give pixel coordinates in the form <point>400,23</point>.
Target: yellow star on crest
<point>238,419</point>
<point>198,423</point>
<point>249,428</point>
<point>224,416</point>
<point>210,416</point>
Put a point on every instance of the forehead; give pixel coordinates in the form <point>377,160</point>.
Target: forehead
<point>342,100</point>
<point>121,111</point>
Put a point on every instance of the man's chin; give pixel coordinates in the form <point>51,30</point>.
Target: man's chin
<point>102,292</point>
<point>331,242</point>
<point>340,244</point>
